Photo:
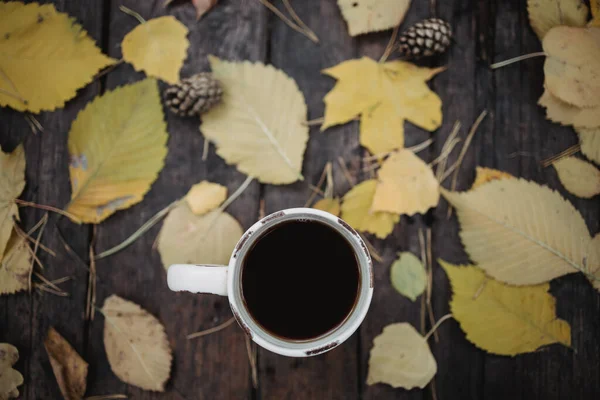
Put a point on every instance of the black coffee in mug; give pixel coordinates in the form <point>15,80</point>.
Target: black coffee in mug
<point>300,280</point>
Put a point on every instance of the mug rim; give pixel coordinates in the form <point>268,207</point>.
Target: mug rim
<point>322,343</point>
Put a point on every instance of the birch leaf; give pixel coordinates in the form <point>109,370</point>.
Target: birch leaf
<point>589,140</point>
<point>259,124</point>
<point>12,183</point>
<point>186,238</point>
<point>567,114</point>
<point>158,47</point>
<point>45,57</point>
<point>10,378</point>
<point>520,232</point>
<point>117,146</point>
<point>572,65</point>
<point>205,196</point>
<point>332,206</point>
<point>356,211</point>
<point>385,96</point>
<point>365,16</point>
<point>503,319</point>
<point>69,368</point>
<point>136,345</point>
<point>406,185</point>
<point>408,275</point>
<point>579,177</point>
<point>546,14</point>
<point>15,267</point>
<point>484,175</point>
<point>400,357</point>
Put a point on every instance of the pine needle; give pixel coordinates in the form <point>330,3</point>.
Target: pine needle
<point>424,262</point>
<point>252,360</point>
<point>351,181</point>
<point>91,290</point>
<point>211,330</point>
<point>444,161</point>
<point>134,14</point>
<point>205,149</point>
<point>446,151</point>
<point>565,153</point>
<point>309,34</point>
<point>390,46</point>
<point>312,122</point>
<point>316,189</point>
<point>516,59</point>
<point>47,208</point>
<point>429,267</point>
<point>372,249</point>
<point>437,325</point>
<point>301,23</point>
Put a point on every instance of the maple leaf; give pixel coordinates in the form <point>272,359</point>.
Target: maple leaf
<point>504,319</point>
<point>590,142</point>
<point>365,16</point>
<point>579,177</point>
<point>384,95</point>
<point>406,185</point>
<point>356,211</point>
<point>10,379</point>
<point>546,14</point>
<point>401,357</point>
<point>157,47</point>
<point>136,345</point>
<point>69,368</point>
<point>332,206</point>
<point>259,124</point>
<point>520,232</point>
<point>12,183</point>
<point>205,196</point>
<point>44,57</point>
<point>408,276</point>
<point>117,146</point>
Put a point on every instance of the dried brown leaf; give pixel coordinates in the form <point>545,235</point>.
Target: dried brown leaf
<point>69,368</point>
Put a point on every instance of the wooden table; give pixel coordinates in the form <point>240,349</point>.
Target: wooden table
<point>515,138</point>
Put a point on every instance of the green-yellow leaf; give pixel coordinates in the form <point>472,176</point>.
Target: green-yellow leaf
<point>356,210</point>
<point>259,124</point>
<point>15,267</point>
<point>45,56</point>
<point>332,206</point>
<point>578,176</point>
<point>186,238</point>
<point>546,14</point>
<point>117,146</point>
<point>400,357</point>
<point>158,47</point>
<point>408,275</point>
<point>503,319</point>
<point>10,378</point>
<point>205,196</point>
<point>589,140</point>
<point>520,232</point>
<point>12,182</point>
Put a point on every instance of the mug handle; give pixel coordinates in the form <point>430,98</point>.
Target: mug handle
<point>198,278</point>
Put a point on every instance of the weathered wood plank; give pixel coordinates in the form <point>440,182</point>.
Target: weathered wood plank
<point>26,318</point>
<point>334,374</point>
<point>216,366</point>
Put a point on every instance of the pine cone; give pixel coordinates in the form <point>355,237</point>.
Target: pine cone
<point>425,38</point>
<point>194,95</point>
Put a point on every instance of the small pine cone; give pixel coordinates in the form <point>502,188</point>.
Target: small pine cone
<point>194,95</point>
<point>425,38</point>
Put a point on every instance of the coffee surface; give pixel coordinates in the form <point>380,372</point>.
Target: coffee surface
<point>300,280</point>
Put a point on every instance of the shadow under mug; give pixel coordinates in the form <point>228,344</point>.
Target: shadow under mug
<point>226,281</point>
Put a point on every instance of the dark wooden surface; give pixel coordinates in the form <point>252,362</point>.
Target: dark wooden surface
<point>515,137</point>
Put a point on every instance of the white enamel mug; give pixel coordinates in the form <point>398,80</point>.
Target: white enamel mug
<point>226,281</point>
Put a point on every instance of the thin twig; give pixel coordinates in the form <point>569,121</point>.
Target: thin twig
<point>317,188</point>
<point>211,330</point>
<point>351,181</point>
<point>134,14</point>
<point>106,397</point>
<point>516,59</point>
<point>295,17</point>
<point>316,121</point>
<point>205,150</point>
<point>372,249</point>
<point>47,208</point>
<point>465,147</point>
<point>565,153</point>
<point>288,22</point>
<point>424,262</point>
<point>437,325</point>
<point>390,46</point>
<point>252,360</point>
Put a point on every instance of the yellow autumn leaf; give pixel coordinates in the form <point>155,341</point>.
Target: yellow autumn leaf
<point>595,9</point>
<point>332,206</point>
<point>365,16</point>
<point>259,124</point>
<point>384,95</point>
<point>45,56</point>
<point>186,238</point>
<point>356,211</point>
<point>408,276</point>
<point>484,175</point>
<point>401,357</point>
<point>117,146</point>
<point>406,185</point>
<point>503,319</point>
<point>546,14</point>
<point>12,183</point>
<point>520,232</point>
<point>10,378</point>
<point>136,345</point>
<point>69,368</point>
<point>593,261</point>
<point>15,267</point>
<point>205,196</point>
<point>567,114</point>
<point>572,65</point>
<point>158,47</point>
<point>579,177</point>
<point>589,139</point>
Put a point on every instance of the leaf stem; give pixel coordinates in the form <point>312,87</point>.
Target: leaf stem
<point>516,59</point>
<point>134,14</point>
<point>437,325</point>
